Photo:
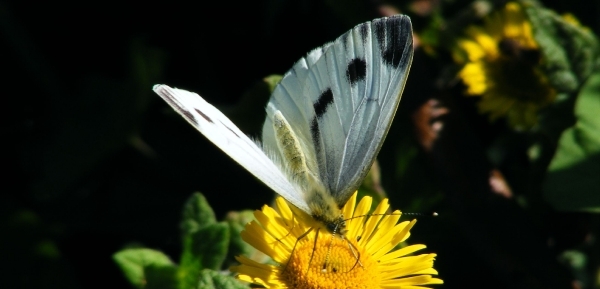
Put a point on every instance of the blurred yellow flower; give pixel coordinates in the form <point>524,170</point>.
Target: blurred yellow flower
<point>502,65</point>
<point>365,258</point>
<point>571,19</point>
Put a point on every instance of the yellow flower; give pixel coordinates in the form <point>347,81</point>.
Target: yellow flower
<point>502,65</point>
<point>365,258</point>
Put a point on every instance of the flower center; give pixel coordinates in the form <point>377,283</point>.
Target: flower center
<point>339,270</point>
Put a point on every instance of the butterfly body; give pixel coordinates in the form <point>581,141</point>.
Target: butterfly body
<point>326,119</point>
<point>323,208</point>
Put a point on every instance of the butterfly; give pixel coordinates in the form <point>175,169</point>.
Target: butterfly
<point>326,119</point>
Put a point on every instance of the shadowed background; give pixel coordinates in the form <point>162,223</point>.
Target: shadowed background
<point>94,160</point>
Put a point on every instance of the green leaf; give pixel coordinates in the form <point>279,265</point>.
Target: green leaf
<point>204,249</point>
<point>237,221</point>
<point>161,277</point>
<point>570,51</point>
<point>197,214</point>
<point>577,262</point>
<point>572,182</point>
<point>212,279</point>
<point>136,264</point>
<point>211,245</point>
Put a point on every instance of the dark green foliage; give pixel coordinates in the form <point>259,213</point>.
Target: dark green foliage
<point>205,247</point>
<point>147,268</point>
<point>573,182</point>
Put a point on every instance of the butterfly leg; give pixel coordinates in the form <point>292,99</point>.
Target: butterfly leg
<point>289,231</point>
<point>314,249</point>
<point>355,253</point>
<point>295,244</point>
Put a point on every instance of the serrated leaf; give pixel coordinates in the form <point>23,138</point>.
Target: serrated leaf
<point>212,279</point>
<point>135,262</point>
<point>572,182</point>
<point>211,244</point>
<point>197,214</point>
<point>204,249</point>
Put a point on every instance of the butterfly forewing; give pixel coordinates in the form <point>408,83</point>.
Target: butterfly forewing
<point>341,98</point>
<point>224,134</point>
<point>392,51</point>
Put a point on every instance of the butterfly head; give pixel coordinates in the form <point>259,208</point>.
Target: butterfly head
<point>325,211</point>
<point>337,227</point>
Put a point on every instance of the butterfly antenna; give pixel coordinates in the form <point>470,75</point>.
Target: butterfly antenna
<point>434,214</point>
<point>324,268</point>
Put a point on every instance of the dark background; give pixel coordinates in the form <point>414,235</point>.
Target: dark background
<point>94,161</point>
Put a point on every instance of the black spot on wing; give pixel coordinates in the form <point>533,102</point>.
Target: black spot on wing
<point>363,30</point>
<point>229,129</point>
<point>316,134</point>
<point>356,70</point>
<point>172,101</point>
<point>321,105</point>
<point>189,116</point>
<point>204,116</point>
<point>345,40</point>
<point>392,37</point>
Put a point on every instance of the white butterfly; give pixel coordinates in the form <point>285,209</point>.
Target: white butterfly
<point>326,119</point>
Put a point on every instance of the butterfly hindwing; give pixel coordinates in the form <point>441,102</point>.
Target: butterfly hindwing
<point>341,98</point>
<point>288,94</point>
<point>224,134</point>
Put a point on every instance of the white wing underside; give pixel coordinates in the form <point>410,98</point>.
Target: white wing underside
<point>215,126</point>
<point>341,98</point>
